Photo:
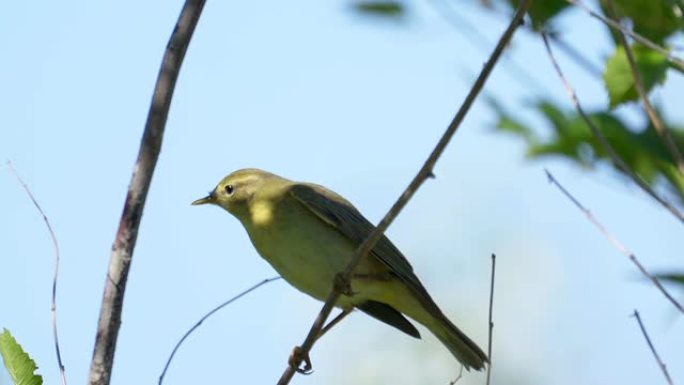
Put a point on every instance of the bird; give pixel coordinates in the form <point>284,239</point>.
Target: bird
<point>309,234</point>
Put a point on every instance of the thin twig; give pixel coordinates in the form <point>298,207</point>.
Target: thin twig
<point>617,160</point>
<point>55,273</point>
<point>127,234</point>
<point>460,375</point>
<point>641,39</point>
<point>423,174</point>
<point>663,133</point>
<point>343,314</point>
<point>204,318</point>
<point>491,323</point>
<point>661,364</point>
<point>619,246</point>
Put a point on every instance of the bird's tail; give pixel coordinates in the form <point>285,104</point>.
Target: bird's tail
<point>462,347</point>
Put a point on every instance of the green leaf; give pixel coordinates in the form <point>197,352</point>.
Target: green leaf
<point>676,278</point>
<point>619,79</point>
<point>389,9</point>
<point>653,19</point>
<point>20,366</point>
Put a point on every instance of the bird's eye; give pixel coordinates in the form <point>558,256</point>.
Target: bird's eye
<point>229,189</point>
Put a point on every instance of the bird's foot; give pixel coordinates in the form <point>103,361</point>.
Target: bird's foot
<point>342,285</point>
<point>297,357</point>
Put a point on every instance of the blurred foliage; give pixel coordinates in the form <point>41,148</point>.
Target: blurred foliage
<point>654,19</point>
<point>389,9</point>
<point>570,137</point>
<point>19,365</point>
<point>672,278</point>
<point>619,79</point>
<point>542,11</point>
<point>565,134</point>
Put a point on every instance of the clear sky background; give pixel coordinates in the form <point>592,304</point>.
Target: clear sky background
<point>313,92</point>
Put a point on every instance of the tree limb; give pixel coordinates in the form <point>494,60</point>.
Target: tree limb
<point>126,235</point>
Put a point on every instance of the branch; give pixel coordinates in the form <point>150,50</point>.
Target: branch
<point>617,160</point>
<point>663,368</point>
<point>615,25</point>
<point>619,246</point>
<point>126,236</point>
<point>423,174</point>
<point>491,324</point>
<point>55,274</point>
<point>663,133</point>
<point>204,318</point>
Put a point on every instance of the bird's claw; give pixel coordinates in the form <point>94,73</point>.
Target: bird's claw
<point>342,285</point>
<point>297,357</point>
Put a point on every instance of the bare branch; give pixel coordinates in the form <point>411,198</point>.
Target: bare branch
<point>615,25</point>
<point>491,324</point>
<point>423,174</point>
<point>55,274</point>
<point>126,236</point>
<point>617,160</point>
<point>204,318</point>
<point>661,364</point>
<point>619,246</point>
<point>663,133</point>
<point>458,378</point>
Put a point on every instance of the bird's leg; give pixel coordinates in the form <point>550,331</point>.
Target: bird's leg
<point>335,321</point>
<point>297,357</point>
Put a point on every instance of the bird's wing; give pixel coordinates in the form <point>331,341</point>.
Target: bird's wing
<point>343,216</point>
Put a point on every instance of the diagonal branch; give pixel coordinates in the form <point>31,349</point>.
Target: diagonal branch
<point>127,234</point>
<point>661,364</point>
<point>55,274</point>
<point>423,174</point>
<point>663,133</point>
<point>617,160</point>
<point>619,246</point>
<point>641,39</point>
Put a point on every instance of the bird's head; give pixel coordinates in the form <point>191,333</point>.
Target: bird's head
<point>237,192</point>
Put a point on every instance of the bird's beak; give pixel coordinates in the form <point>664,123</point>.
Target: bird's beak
<point>211,198</point>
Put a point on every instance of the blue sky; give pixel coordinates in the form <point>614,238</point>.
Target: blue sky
<point>312,92</point>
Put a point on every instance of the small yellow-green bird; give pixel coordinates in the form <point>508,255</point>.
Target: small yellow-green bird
<point>309,234</point>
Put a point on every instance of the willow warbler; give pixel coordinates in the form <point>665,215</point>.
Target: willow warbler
<point>309,234</point>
